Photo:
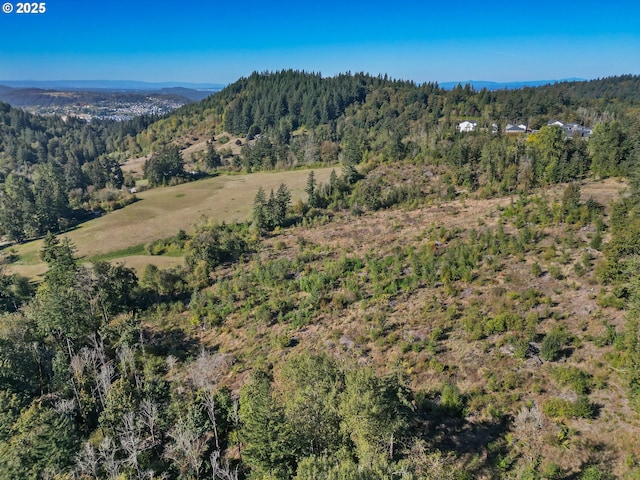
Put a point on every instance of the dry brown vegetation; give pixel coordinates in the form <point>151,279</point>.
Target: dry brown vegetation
<point>421,332</point>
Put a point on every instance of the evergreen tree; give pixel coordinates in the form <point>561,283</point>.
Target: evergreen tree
<point>164,165</point>
<point>375,414</point>
<point>268,446</point>
<point>333,182</point>
<point>43,441</point>
<point>17,209</point>
<point>50,195</point>
<point>310,386</point>
<point>212,158</point>
<point>310,190</point>
<point>281,205</point>
<point>259,215</point>
<point>610,149</point>
<point>547,148</point>
<point>351,156</point>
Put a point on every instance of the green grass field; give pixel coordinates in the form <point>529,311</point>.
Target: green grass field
<point>161,212</point>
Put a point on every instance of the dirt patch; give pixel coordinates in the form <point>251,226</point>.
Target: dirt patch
<point>134,166</point>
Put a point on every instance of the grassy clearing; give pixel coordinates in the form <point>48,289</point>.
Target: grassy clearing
<point>125,252</point>
<point>162,212</point>
<point>140,262</point>
<point>31,257</point>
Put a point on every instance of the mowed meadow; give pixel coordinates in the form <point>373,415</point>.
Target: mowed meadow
<point>161,212</point>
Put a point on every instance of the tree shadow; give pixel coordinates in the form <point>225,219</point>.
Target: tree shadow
<point>172,341</point>
<point>479,442</point>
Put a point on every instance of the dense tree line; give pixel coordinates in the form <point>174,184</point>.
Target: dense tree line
<point>27,139</point>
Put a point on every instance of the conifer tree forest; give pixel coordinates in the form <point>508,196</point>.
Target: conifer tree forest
<point>352,334</point>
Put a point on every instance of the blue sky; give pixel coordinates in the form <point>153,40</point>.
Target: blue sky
<point>218,42</point>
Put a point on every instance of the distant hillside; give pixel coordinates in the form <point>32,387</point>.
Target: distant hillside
<point>191,94</point>
<point>480,84</point>
<point>418,302</point>
<point>88,85</point>
<point>28,97</point>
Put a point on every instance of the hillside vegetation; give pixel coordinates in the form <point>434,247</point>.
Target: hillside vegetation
<point>436,304</point>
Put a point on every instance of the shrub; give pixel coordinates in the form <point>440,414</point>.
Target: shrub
<point>594,473</point>
<point>552,344</point>
<point>536,270</point>
<point>473,324</point>
<point>561,408</point>
<point>581,382</point>
<point>451,401</point>
<point>553,471</point>
<point>520,347</point>
<point>596,240</point>
<point>549,253</point>
<point>610,300</point>
<point>503,322</point>
<point>556,272</point>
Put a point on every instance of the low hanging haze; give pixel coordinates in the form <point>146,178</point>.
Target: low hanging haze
<point>218,42</point>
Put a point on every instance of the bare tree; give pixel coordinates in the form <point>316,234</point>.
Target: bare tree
<point>88,460</point>
<point>104,379</point>
<point>149,415</point>
<point>131,440</point>
<point>171,361</point>
<point>427,463</point>
<point>127,359</point>
<point>222,472</point>
<point>186,449</point>
<point>528,426</point>
<point>206,370</point>
<point>107,451</point>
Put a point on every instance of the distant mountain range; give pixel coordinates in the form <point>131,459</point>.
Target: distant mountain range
<point>180,88</point>
<point>111,85</point>
<point>480,84</point>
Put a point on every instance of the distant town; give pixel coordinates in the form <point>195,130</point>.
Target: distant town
<point>99,103</point>
<point>119,111</point>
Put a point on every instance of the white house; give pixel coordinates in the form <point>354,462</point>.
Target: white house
<point>467,126</point>
<point>572,130</point>
<point>515,128</point>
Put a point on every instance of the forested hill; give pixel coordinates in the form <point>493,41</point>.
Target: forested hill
<point>49,166</point>
<point>280,103</point>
